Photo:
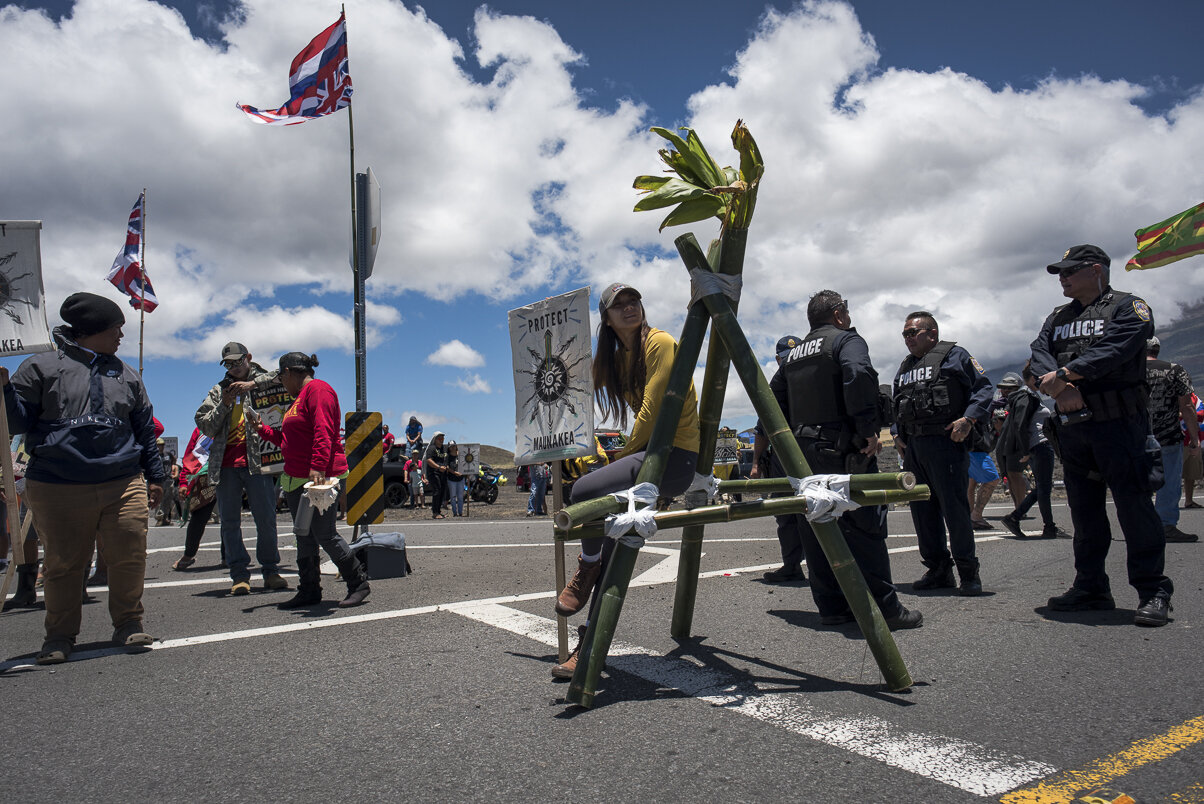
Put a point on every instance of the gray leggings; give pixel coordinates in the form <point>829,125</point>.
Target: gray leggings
<point>620,476</point>
<point>322,531</point>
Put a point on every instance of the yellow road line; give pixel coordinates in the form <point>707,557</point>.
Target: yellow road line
<point>1063,786</point>
<point>1192,794</point>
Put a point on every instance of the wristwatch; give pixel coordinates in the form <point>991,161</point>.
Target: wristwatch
<point>1061,375</point>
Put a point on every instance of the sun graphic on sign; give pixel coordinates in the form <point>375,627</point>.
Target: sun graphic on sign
<point>7,281</point>
<point>553,377</point>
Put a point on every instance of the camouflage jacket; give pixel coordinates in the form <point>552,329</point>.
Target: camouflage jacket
<point>213,420</point>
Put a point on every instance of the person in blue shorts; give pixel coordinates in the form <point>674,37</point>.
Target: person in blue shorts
<point>984,478</point>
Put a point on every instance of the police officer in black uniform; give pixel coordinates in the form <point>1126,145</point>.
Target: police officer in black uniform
<point>940,392</point>
<point>1090,356</point>
<point>829,391</point>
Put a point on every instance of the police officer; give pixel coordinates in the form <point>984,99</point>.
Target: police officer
<point>789,538</point>
<point>1090,356</point>
<point>940,392</point>
<point>829,391</point>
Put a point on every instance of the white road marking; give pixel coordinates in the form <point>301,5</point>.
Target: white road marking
<point>664,571</point>
<point>959,763</point>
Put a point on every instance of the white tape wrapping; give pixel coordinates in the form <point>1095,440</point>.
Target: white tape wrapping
<point>322,496</point>
<point>632,527</point>
<point>705,483</point>
<point>707,283</point>
<point>828,496</point>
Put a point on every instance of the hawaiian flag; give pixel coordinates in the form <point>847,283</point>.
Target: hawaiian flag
<point>318,81</point>
<point>127,274</point>
<point>1176,238</point>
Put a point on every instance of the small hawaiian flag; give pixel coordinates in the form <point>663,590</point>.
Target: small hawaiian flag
<point>319,83</point>
<point>127,274</point>
<point>1176,238</point>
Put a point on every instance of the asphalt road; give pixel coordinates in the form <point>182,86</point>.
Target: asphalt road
<point>439,688</point>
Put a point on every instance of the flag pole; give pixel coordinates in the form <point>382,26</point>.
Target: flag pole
<point>361,393</point>
<point>142,276</point>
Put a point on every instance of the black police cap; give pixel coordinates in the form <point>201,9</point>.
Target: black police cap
<point>1077,255</point>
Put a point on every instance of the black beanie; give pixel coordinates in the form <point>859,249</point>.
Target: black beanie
<point>88,314</point>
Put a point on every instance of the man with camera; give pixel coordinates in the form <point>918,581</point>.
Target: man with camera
<point>940,394</point>
<point>828,389</point>
<point>1090,357</point>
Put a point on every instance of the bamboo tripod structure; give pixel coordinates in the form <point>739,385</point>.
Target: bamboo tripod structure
<point>731,347</point>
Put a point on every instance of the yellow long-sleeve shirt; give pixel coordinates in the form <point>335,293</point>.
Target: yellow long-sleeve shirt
<point>659,351</point>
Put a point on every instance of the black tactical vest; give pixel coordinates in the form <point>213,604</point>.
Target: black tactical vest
<point>925,401</point>
<point>814,381</point>
<point>1072,335</point>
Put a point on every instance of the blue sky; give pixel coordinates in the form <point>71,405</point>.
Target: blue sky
<point>919,154</point>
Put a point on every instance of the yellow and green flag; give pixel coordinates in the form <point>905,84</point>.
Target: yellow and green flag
<point>1175,238</point>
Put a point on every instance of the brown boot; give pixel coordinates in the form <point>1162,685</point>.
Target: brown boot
<point>576,594</point>
<point>569,667</point>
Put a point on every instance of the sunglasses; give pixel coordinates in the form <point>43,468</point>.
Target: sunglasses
<point>914,331</point>
<point>232,363</point>
<point>1065,272</point>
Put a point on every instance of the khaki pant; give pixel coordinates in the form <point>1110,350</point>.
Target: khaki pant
<point>70,517</point>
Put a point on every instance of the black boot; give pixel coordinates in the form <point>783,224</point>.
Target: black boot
<point>26,595</point>
<point>971,585</point>
<point>309,588</point>
<point>357,582</point>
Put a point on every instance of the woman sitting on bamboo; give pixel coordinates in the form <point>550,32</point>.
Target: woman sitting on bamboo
<point>631,372</point>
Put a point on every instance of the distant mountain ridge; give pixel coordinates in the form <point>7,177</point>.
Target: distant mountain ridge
<point>1182,343</point>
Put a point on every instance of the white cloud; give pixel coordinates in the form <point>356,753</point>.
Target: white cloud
<point>473,384</point>
<point>457,354</point>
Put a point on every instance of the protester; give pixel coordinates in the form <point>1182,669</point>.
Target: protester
<point>455,479</point>
<point>983,480</point>
<point>234,467</point>
<point>1027,419</point>
<point>1192,468</point>
<point>539,474</point>
<point>309,440</point>
<point>413,435</point>
<point>434,460</point>
<point>26,594</point>
<point>630,373</point>
<point>1170,405</point>
<point>1011,447</point>
<point>93,468</point>
<point>413,477</point>
<point>200,496</point>
<point>387,440</point>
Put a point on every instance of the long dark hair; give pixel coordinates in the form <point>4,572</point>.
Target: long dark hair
<point>610,385</point>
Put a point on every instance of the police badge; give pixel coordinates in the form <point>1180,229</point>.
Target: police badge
<point>1142,309</point>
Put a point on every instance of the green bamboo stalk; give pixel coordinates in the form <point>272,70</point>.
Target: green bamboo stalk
<point>595,645</point>
<point>728,254</point>
<point>887,481</point>
<point>848,575</point>
<point>752,509</point>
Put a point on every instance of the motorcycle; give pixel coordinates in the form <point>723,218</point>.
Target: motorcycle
<point>484,486</point>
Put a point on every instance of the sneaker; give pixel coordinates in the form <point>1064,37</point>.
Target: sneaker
<point>785,574</point>
<point>566,669</point>
<point>907,618</point>
<point>576,594</point>
<point>130,634</point>
<point>55,651</point>
<point>940,577</point>
<point>1013,526</point>
<point>1173,534</point>
<point>1153,612</point>
<point>1077,599</point>
<point>981,524</point>
<point>837,619</point>
<point>241,588</point>
<point>272,582</point>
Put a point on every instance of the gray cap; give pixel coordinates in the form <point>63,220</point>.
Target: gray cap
<point>1010,380</point>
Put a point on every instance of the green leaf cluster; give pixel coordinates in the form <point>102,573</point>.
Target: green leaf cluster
<point>697,188</point>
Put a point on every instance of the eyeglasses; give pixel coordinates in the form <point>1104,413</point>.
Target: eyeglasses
<point>1065,272</point>
<point>232,363</point>
<point>914,331</point>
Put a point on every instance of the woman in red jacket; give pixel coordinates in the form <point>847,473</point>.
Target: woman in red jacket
<point>309,439</point>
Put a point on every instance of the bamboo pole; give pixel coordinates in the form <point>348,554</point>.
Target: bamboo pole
<point>752,509</point>
<point>848,575</point>
<point>617,576</point>
<point>727,254</point>
<point>562,623</point>
<point>890,481</point>
<point>17,539</point>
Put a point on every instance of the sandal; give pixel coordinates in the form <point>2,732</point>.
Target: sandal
<point>183,563</point>
<point>437,516</point>
<point>1193,504</point>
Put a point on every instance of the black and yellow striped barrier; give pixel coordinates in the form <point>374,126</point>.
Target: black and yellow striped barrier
<point>366,471</point>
